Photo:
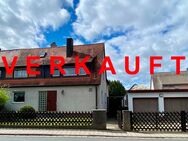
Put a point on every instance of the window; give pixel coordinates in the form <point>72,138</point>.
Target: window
<point>0,74</point>
<point>82,72</point>
<point>19,96</point>
<point>56,73</point>
<point>20,73</point>
<point>69,72</point>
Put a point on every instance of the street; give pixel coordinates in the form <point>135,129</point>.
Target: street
<point>61,138</point>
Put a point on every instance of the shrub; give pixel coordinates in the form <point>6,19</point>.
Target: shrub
<point>27,108</point>
<point>4,97</point>
<point>27,112</point>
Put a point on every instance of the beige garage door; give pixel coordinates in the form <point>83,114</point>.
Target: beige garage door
<point>145,105</point>
<point>176,104</point>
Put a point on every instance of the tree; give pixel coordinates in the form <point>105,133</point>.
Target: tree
<point>116,88</point>
<point>4,97</point>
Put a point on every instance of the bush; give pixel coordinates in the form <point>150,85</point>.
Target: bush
<point>4,97</point>
<point>28,109</point>
<point>27,112</point>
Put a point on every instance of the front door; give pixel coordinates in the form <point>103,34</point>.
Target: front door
<point>51,100</point>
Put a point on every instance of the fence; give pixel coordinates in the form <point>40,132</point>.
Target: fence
<point>155,121</point>
<point>51,119</point>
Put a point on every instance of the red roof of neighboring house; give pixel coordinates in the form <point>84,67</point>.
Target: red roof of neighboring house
<point>95,51</point>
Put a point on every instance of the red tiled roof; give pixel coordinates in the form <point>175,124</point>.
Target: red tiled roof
<point>91,50</point>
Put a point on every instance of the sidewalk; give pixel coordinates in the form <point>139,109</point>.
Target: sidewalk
<point>78,132</point>
<point>112,131</point>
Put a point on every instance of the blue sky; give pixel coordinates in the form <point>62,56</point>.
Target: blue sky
<point>127,27</point>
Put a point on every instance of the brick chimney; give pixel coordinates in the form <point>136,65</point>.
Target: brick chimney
<point>53,44</point>
<point>69,47</point>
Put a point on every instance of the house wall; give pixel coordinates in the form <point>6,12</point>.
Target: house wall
<point>74,98</point>
<point>160,96</point>
<point>102,93</point>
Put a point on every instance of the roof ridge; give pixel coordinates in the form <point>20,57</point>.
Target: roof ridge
<point>49,47</point>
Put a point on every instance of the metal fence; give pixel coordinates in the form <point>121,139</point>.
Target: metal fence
<point>46,119</point>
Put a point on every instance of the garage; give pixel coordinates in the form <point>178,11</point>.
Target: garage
<point>176,104</point>
<point>145,104</point>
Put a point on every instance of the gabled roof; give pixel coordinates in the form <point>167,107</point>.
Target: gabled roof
<point>91,50</point>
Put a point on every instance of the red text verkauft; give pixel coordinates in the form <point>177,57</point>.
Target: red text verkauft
<point>106,65</point>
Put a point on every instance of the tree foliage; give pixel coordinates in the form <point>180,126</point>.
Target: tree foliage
<point>4,97</point>
<point>116,88</point>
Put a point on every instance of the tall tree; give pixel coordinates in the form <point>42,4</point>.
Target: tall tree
<point>116,88</point>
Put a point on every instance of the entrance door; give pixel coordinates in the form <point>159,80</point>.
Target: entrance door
<point>51,100</point>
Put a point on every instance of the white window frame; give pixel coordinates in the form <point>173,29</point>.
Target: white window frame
<point>18,73</point>
<point>70,74</point>
<point>82,72</point>
<point>56,75</point>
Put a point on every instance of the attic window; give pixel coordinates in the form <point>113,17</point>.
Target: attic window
<point>43,54</point>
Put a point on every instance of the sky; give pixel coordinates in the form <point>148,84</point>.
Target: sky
<point>127,27</point>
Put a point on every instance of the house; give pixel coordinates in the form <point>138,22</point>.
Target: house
<point>169,92</point>
<point>169,80</point>
<point>57,92</point>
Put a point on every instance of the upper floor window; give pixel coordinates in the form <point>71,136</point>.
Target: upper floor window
<point>20,73</point>
<point>70,71</point>
<point>56,73</point>
<point>82,72</point>
<point>0,73</point>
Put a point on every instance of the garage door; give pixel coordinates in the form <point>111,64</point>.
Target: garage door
<point>176,104</point>
<point>145,105</point>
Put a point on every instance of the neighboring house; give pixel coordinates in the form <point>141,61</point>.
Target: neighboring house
<point>169,80</point>
<point>169,92</point>
<point>158,100</point>
<point>45,92</point>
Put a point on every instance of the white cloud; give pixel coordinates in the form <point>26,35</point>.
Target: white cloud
<point>22,22</point>
<point>158,28</point>
<point>101,16</point>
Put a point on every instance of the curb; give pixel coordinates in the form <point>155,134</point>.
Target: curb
<point>92,135</point>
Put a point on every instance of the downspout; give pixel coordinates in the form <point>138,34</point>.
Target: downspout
<point>96,97</point>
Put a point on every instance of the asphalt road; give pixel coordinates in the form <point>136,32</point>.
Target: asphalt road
<point>58,138</point>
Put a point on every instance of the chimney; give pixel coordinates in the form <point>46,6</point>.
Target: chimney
<point>53,44</point>
<point>69,47</point>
